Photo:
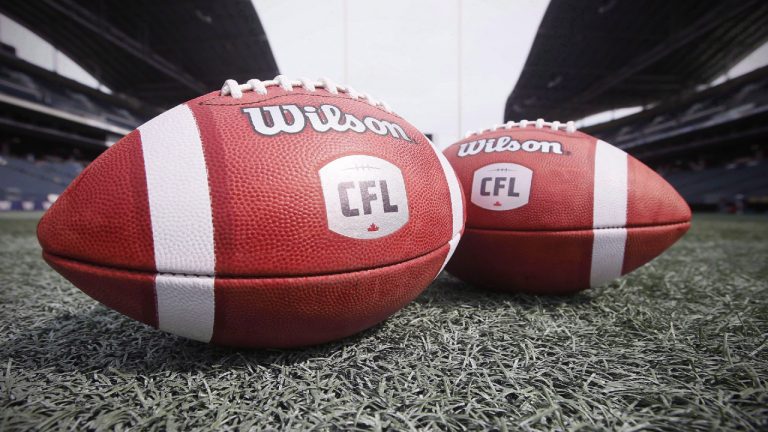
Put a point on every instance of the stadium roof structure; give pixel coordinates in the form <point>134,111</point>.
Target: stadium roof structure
<point>160,52</point>
<point>593,56</point>
<point>734,113</point>
<point>47,107</point>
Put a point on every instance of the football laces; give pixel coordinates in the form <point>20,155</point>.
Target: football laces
<point>235,89</point>
<point>569,127</point>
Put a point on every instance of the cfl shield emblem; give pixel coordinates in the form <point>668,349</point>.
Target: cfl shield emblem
<point>501,186</point>
<point>364,197</point>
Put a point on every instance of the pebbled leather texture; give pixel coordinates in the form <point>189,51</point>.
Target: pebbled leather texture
<point>268,213</point>
<point>546,246</point>
<point>286,221</point>
<point>266,240</point>
<point>272,312</point>
<point>103,215</point>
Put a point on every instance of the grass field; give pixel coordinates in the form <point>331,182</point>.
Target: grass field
<point>681,344</point>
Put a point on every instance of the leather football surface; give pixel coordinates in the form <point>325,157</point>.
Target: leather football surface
<point>552,210</point>
<point>273,216</point>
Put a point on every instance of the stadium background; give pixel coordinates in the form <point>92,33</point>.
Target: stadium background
<point>682,86</point>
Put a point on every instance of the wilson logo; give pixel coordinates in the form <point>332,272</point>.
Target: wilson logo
<point>507,144</point>
<point>364,196</point>
<point>291,119</point>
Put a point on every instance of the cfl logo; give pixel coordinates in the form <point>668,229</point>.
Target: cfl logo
<point>365,197</point>
<point>501,186</point>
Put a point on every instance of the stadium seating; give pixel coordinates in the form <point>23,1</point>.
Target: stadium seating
<point>713,186</point>
<point>709,108</point>
<point>24,86</point>
<point>31,185</point>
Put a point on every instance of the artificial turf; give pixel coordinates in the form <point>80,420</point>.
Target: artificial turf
<point>681,344</point>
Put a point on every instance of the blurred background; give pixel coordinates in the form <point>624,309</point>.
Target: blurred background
<point>682,85</point>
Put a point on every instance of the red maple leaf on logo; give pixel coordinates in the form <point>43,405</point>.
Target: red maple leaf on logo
<point>373,227</point>
<point>497,204</point>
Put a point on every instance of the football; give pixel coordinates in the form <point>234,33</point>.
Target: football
<point>274,213</point>
<point>552,210</point>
